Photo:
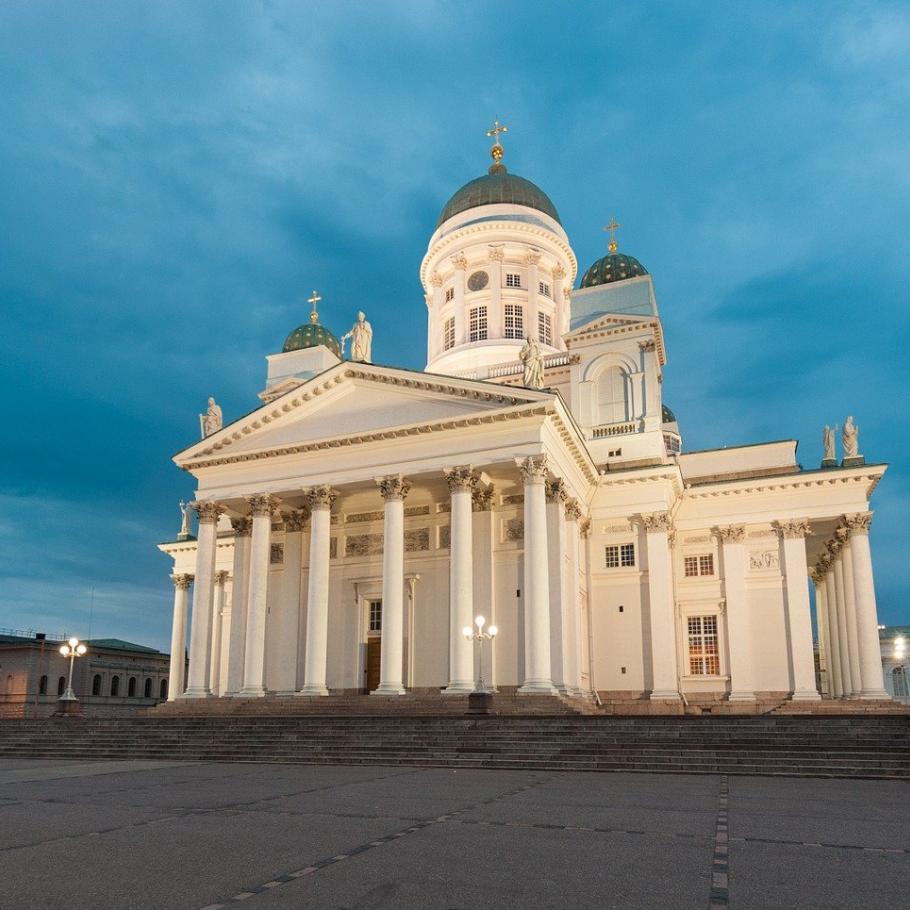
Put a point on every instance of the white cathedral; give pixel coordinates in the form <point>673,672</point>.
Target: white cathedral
<point>354,525</point>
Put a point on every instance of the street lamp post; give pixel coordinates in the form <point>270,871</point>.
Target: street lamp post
<point>479,636</point>
<point>72,649</point>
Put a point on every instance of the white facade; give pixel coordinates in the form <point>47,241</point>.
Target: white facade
<point>351,526</point>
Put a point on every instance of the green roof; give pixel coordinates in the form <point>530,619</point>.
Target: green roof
<point>498,188</point>
<point>118,644</point>
<point>613,267</point>
<point>311,335</point>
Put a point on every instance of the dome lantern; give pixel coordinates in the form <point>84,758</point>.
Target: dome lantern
<point>615,266</point>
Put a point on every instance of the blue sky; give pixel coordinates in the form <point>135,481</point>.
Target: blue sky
<point>177,177</point>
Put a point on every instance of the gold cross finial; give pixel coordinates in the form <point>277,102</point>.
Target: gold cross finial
<point>312,301</point>
<point>612,227</point>
<point>497,150</point>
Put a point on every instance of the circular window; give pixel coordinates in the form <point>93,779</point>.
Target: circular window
<point>478,281</point>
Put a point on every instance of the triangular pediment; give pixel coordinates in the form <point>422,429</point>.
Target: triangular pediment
<point>607,321</point>
<point>357,399</point>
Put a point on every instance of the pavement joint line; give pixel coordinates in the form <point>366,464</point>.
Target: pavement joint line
<point>279,880</point>
<point>719,897</point>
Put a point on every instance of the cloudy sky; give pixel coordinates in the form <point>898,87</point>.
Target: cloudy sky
<point>177,177</point>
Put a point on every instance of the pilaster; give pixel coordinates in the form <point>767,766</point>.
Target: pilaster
<point>665,675</point>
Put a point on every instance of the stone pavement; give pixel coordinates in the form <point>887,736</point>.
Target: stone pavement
<point>147,834</point>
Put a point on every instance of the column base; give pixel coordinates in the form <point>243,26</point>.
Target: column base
<point>196,693</point>
<point>741,696</point>
<point>538,687</point>
<point>459,687</point>
<point>313,691</point>
<point>389,689</point>
<point>879,694</point>
<point>252,692</point>
<point>806,695</point>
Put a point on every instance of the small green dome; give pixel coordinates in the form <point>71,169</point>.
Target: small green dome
<point>497,188</point>
<point>667,416</point>
<point>311,335</point>
<point>613,267</point>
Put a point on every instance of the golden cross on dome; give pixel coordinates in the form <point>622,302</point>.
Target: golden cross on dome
<point>497,151</point>
<point>498,128</point>
<point>312,301</point>
<point>612,227</point>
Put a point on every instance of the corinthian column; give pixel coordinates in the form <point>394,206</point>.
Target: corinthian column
<point>320,501</point>
<point>203,596</point>
<point>742,685</point>
<point>837,574</point>
<point>834,656</point>
<point>793,543</point>
<point>287,618</point>
<point>178,637</point>
<point>665,677</point>
<point>870,660</point>
<point>845,560</point>
<point>261,507</point>
<point>557,497</point>
<point>538,674</point>
<point>461,481</point>
<point>394,489</point>
<point>217,610</point>
<point>239,593</point>
<point>571,637</point>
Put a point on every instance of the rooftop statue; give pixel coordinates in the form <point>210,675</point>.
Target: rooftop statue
<point>532,361</point>
<point>361,336</point>
<point>184,521</point>
<point>850,438</point>
<point>211,421</point>
<point>828,443</point>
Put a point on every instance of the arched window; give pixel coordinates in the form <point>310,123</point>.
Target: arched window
<point>131,687</point>
<point>61,685</point>
<point>42,686</point>
<point>115,685</point>
<point>96,684</point>
<point>899,682</point>
<point>613,396</point>
<point>148,688</point>
<point>162,689</point>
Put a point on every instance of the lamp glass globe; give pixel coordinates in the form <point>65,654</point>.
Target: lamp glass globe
<point>73,642</point>
<point>480,621</point>
<point>492,631</point>
<point>65,650</point>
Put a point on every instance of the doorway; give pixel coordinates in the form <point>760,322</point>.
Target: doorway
<point>374,643</point>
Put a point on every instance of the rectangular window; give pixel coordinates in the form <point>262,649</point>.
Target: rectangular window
<point>698,565</point>
<point>375,615</point>
<point>620,555</point>
<point>543,288</point>
<point>450,294</point>
<point>448,334</point>
<point>514,321</point>
<point>545,327</point>
<point>704,658</point>
<point>513,280</point>
<point>477,324</point>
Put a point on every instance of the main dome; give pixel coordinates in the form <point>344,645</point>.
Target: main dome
<point>311,335</point>
<point>613,267</point>
<point>499,188</point>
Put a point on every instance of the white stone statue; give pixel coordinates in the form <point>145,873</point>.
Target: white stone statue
<point>532,361</point>
<point>828,444</point>
<point>361,336</point>
<point>850,438</point>
<point>211,421</point>
<point>184,521</point>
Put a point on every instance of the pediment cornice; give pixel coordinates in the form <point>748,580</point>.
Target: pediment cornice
<point>609,326</point>
<point>789,482</point>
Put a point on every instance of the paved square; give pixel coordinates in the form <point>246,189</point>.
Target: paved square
<point>204,835</point>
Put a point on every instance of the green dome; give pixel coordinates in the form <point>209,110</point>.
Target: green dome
<point>311,335</point>
<point>497,188</point>
<point>667,416</point>
<point>613,267</point>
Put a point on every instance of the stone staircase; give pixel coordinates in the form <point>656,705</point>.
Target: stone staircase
<point>861,746</point>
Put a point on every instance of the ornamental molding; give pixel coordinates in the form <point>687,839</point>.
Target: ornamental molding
<point>263,504</point>
<point>858,522</point>
<point>459,261</point>
<point>221,576</point>
<point>436,280</point>
<point>532,257</point>
<point>646,346</point>
<point>182,582</point>
<point>295,521</point>
<point>584,527</point>
<point>393,488</point>
<point>461,478</point>
<point>242,526</point>
<point>800,480</point>
<point>533,469</point>
<point>320,498</point>
<point>731,533</point>
<point>496,253</point>
<point>573,510</point>
<point>556,491</point>
<point>656,522</point>
<point>482,500</point>
<point>795,528</point>
<point>559,272</point>
<point>207,512</point>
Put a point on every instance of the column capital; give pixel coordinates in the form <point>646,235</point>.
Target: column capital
<point>322,497</point>
<point>647,346</point>
<point>394,487</point>
<point>559,272</point>
<point>556,491</point>
<point>242,526</point>
<point>459,260</point>
<point>584,527</point>
<point>207,511</point>
<point>496,253</point>
<point>824,562</point>
<point>533,468</point>
<point>532,256</point>
<point>573,510</point>
<point>221,576</point>
<point>731,533</point>
<point>182,582</point>
<point>295,521</point>
<point>482,500</point>
<point>834,547</point>
<point>263,503</point>
<point>793,528</point>
<point>461,477</point>
<point>818,575</point>
<point>858,522</point>
<point>656,521</point>
<point>842,535</point>
<point>436,280</point>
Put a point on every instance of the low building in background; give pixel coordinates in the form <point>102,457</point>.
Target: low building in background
<point>895,642</point>
<point>114,677</point>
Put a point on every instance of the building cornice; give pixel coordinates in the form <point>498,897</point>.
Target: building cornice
<point>867,474</point>
<point>607,326</point>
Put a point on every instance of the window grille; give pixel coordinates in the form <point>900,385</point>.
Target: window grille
<point>543,288</point>
<point>513,280</point>
<point>514,321</point>
<point>704,657</point>
<point>545,327</point>
<point>450,294</point>
<point>620,555</point>
<point>448,334</point>
<point>375,615</point>
<point>702,564</point>
<point>477,324</point>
